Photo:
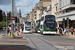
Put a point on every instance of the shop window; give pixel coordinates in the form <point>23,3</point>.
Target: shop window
<point>72,1</point>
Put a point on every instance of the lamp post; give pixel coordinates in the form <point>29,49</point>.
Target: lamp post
<point>12,15</point>
<point>6,25</point>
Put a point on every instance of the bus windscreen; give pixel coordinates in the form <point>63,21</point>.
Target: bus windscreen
<point>50,17</point>
<point>27,25</point>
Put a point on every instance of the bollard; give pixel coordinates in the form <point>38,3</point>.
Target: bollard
<point>12,35</point>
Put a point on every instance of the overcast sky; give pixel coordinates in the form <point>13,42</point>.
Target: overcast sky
<point>5,5</point>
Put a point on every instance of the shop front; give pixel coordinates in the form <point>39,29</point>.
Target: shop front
<point>62,23</point>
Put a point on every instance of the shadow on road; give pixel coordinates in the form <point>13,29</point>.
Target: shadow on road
<point>51,34</point>
<point>15,47</point>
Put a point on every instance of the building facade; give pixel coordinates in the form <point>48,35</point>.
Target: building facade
<point>57,12</point>
<point>23,19</point>
<point>53,7</point>
<point>67,9</point>
<point>39,10</point>
<point>40,7</point>
<point>30,16</point>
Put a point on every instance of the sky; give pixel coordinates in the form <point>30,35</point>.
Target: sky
<point>25,5</point>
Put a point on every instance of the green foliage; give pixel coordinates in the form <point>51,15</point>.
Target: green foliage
<point>0,24</point>
<point>9,21</point>
<point>0,15</point>
<point>3,23</point>
<point>4,19</point>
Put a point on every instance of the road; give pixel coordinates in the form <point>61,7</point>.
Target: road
<point>56,40</point>
<point>61,41</point>
<point>37,41</point>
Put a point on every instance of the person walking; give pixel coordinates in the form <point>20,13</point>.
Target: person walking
<point>71,30</point>
<point>65,30</point>
<point>10,30</point>
<point>20,31</point>
<point>74,31</point>
<point>60,31</point>
<point>17,32</point>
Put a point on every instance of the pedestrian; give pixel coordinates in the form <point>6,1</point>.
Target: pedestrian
<point>17,32</point>
<point>71,30</point>
<point>10,30</point>
<point>21,31</point>
<point>65,30</point>
<point>60,31</point>
<point>74,31</point>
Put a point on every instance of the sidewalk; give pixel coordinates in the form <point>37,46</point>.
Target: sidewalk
<point>68,35</point>
<point>7,43</point>
<point>9,36</point>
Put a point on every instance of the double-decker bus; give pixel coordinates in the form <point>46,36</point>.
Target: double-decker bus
<point>37,26</point>
<point>27,27</point>
<point>48,24</point>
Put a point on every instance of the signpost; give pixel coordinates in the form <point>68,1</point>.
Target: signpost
<point>6,26</point>
<point>13,18</point>
<point>12,31</point>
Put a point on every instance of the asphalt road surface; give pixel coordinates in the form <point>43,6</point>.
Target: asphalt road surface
<point>37,41</point>
<point>61,41</point>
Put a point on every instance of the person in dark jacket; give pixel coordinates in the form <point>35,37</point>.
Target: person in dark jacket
<point>60,31</point>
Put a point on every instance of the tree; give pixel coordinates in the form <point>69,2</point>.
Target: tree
<point>0,15</point>
<point>4,19</point>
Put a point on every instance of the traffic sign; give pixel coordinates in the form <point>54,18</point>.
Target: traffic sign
<point>13,18</point>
